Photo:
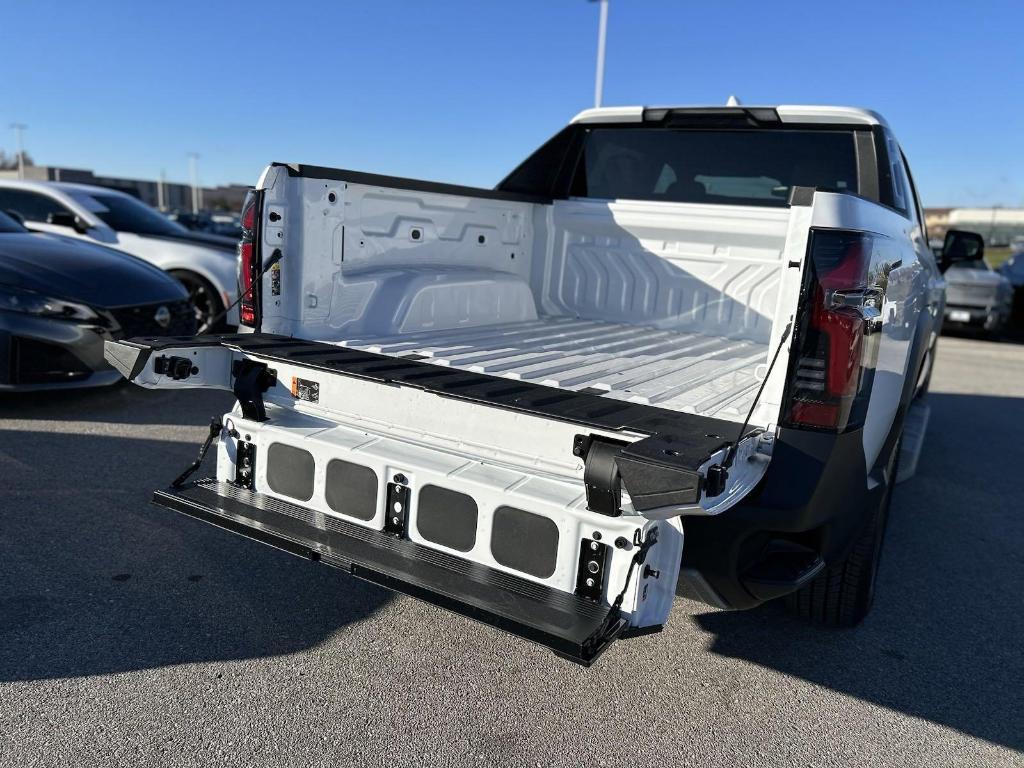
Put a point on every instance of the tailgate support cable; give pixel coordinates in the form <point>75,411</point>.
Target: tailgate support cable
<point>719,473</point>
<point>215,429</point>
<point>274,258</point>
<point>613,621</point>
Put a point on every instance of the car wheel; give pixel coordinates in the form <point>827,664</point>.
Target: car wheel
<point>204,298</point>
<point>843,594</point>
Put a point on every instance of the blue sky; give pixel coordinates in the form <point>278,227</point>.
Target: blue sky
<point>461,91</point>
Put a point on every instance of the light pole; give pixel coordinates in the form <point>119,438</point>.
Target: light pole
<point>161,200</point>
<point>992,225</point>
<point>602,33</point>
<point>193,164</point>
<point>19,129</point>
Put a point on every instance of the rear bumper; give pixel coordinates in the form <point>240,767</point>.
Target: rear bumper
<point>806,513</point>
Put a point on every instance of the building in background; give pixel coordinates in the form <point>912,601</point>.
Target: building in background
<point>936,220</point>
<point>999,226</point>
<point>175,196</point>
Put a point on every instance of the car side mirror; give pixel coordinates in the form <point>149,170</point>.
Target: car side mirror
<point>16,216</point>
<point>961,245</point>
<point>68,219</point>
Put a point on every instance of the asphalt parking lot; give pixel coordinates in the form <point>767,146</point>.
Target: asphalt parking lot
<point>132,636</point>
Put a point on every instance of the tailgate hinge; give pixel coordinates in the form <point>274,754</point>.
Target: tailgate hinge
<point>252,379</point>
<point>600,473</point>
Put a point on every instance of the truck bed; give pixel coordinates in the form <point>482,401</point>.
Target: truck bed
<point>687,372</point>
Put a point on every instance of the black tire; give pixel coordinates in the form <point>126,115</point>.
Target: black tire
<point>204,299</point>
<point>843,594</point>
<point>926,384</point>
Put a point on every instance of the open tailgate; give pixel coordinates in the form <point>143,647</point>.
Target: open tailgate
<point>552,515</point>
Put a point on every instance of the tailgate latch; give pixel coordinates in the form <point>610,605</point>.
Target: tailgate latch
<point>600,473</point>
<point>177,368</point>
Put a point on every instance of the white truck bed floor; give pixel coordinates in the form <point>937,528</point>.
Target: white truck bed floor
<point>688,372</point>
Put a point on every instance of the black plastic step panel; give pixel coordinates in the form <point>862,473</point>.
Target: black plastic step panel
<point>351,489</point>
<point>567,624</point>
<point>447,517</point>
<point>679,442</point>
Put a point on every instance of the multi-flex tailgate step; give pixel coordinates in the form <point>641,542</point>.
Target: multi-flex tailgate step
<point>571,626</point>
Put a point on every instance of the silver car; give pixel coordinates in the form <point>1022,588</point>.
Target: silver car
<point>976,296</point>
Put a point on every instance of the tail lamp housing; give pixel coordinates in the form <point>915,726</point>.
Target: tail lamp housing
<point>249,260</point>
<point>835,344</point>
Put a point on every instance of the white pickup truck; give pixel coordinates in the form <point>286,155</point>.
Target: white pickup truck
<point>673,352</point>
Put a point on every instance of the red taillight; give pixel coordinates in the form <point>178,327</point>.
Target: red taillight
<point>249,212</point>
<point>830,345</point>
<point>248,262</point>
<point>247,308</point>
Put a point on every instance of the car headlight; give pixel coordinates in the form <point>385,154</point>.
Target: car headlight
<point>31,303</point>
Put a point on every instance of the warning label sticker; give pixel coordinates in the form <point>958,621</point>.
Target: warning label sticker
<point>304,389</point>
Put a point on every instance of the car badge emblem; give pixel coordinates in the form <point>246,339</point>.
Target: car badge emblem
<point>163,317</point>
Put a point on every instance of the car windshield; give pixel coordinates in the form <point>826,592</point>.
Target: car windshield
<point>126,214</point>
<point>970,264</point>
<point>9,226</point>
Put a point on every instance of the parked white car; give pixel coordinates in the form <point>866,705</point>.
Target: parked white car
<point>206,265</point>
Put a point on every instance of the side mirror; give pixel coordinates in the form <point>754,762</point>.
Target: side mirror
<point>68,219</point>
<point>961,245</point>
<point>16,216</point>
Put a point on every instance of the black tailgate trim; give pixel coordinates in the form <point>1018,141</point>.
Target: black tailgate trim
<point>677,446</point>
<point>567,624</point>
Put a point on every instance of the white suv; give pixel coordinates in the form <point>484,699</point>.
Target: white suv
<point>206,265</point>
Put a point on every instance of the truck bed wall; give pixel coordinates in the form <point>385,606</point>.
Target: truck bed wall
<point>702,269</point>
<point>385,261</point>
<point>371,260</point>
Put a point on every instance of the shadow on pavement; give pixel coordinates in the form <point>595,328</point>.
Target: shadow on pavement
<point>123,403</point>
<point>94,580</point>
<point>1011,334</point>
<point>944,639</point>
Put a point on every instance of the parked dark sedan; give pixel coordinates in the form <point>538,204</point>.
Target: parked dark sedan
<point>60,299</point>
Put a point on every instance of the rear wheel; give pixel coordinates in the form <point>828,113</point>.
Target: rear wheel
<point>930,362</point>
<point>843,594</point>
<point>203,296</point>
